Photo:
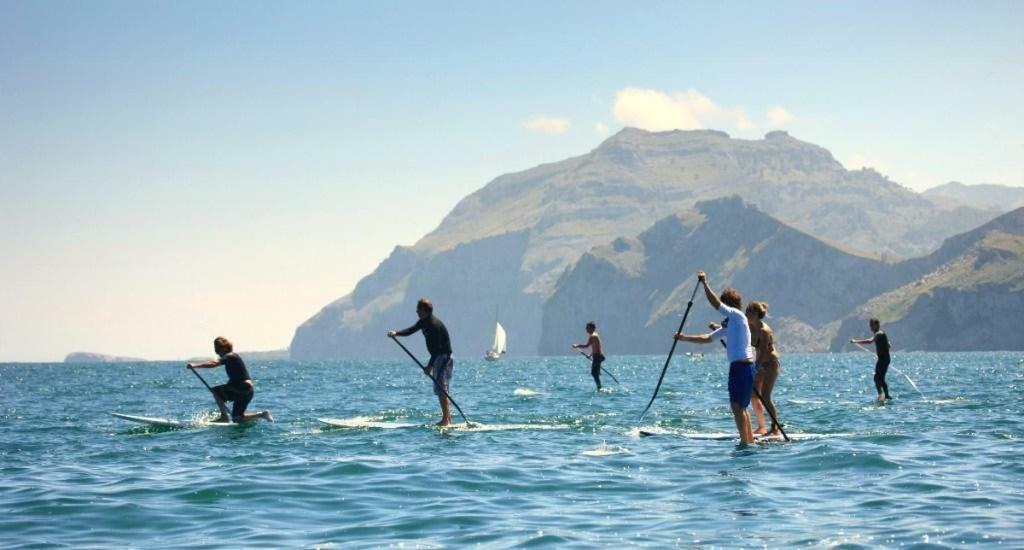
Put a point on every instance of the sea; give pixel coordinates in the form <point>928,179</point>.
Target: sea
<point>548,462</point>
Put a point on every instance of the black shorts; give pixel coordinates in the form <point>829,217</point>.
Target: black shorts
<point>240,397</point>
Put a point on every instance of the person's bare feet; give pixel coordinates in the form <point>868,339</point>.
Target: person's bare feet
<point>266,416</point>
<point>444,422</point>
<point>222,420</point>
<point>760,431</point>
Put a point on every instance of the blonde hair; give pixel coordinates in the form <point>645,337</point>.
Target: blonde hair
<point>758,308</point>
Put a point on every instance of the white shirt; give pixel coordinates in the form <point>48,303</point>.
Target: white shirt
<point>737,335</point>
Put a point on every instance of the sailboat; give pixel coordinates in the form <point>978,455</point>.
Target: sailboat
<point>498,349</point>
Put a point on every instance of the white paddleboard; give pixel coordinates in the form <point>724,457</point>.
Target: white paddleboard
<point>169,422</point>
<point>478,427</point>
<point>365,422</point>
<point>723,436</point>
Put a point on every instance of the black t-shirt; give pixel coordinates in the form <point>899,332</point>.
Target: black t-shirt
<point>882,346</point>
<point>235,367</point>
<point>435,333</point>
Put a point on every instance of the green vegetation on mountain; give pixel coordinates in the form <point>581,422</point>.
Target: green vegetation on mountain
<point>506,246</point>
<point>975,286</point>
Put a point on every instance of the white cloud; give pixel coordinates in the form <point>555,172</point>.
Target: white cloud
<point>547,124</point>
<point>601,128</point>
<point>655,110</point>
<point>778,117</point>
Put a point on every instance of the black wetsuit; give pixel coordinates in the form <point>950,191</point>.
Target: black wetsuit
<point>236,390</point>
<point>434,332</point>
<point>882,364</point>
<point>439,345</point>
<point>595,368</point>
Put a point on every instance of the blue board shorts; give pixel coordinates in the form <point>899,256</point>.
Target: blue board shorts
<point>441,368</point>
<point>741,382</point>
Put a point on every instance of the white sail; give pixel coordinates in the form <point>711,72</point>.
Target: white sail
<point>499,339</point>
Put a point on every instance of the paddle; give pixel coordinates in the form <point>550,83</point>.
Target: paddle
<point>898,371</point>
<point>437,384</point>
<point>605,371</point>
<point>201,380</point>
<point>207,385</point>
<point>671,351</point>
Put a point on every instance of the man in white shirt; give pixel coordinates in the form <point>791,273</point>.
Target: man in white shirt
<point>736,333</point>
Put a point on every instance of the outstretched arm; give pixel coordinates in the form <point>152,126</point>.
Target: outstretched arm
<point>205,364</point>
<point>405,331</point>
<point>864,341</point>
<point>710,294</point>
<point>696,339</point>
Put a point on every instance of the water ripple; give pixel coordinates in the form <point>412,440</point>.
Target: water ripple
<point>553,464</point>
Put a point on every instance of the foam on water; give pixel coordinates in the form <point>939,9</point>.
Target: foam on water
<point>605,450</point>
<point>525,392</point>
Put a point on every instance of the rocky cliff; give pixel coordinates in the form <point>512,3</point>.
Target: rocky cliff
<point>505,246</point>
<point>973,288</point>
<point>637,289</point>
<point>957,298</point>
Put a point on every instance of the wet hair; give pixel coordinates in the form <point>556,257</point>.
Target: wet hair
<point>591,324</point>
<point>758,308</point>
<point>222,343</point>
<point>732,298</point>
<point>873,322</point>
<point>425,305</point>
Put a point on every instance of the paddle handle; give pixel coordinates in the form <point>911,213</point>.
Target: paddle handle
<point>436,383</point>
<point>668,359</point>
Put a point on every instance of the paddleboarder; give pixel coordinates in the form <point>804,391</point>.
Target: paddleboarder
<point>239,389</point>
<point>881,342</point>
<point>736,332</point>
<point>439,345</point>
<point>766,371</point>
<point>596,355</point>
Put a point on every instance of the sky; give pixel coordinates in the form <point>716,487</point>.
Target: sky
<point>174,171</point>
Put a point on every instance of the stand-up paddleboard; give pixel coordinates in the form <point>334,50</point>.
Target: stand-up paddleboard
<point>364,422</point>
<point>724,436</point>
<point>169,422</point>
<point>478,427</point>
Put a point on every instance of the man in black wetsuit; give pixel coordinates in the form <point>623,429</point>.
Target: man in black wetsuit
<point>439,345</point>
<point>239,388</point>
<point>881,341</point>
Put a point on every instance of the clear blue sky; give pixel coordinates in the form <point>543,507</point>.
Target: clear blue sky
<point>171,171</point>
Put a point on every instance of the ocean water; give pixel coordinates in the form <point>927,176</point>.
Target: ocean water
<point>555,464</point>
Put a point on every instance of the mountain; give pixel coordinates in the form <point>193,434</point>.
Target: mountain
<point>506,245</point>
<point>1001,198</point>
<point>89,357</point>
<point>819,296</point>
<point>636,289</point>
<point>973,287</point>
